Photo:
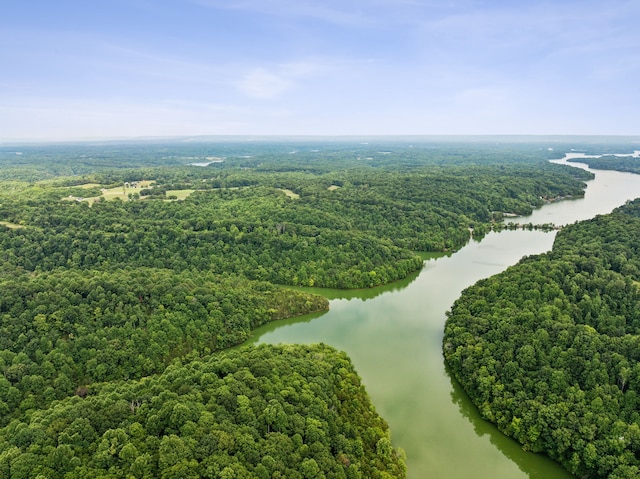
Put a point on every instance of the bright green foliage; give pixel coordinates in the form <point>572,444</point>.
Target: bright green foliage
<point>289,411</point>
<point>61,331</point>
<point>549,350</point>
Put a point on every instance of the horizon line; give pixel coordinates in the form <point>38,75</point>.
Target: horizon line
<point>284,137</point>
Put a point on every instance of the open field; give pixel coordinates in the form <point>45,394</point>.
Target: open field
<point>179,194</point>
<point>11,225</point>
<point>108,194</point>
<point>290,193</point>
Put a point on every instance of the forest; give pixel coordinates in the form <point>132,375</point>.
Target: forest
<point>127,270</point>
<point>549,350</point>
<point>629,164</point>
<point>290,411</point>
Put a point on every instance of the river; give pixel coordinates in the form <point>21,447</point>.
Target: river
<point>393,335</point>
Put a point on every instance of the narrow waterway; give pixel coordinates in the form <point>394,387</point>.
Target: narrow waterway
<point>393,334</point>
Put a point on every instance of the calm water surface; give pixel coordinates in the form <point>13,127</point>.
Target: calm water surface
<point>393,335</point>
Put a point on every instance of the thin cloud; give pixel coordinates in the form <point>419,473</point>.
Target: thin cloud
<point>349,13</point>
<point>263,83</point>
<point>260,83</point>
<point>352,13</point>
<point>538,26</point>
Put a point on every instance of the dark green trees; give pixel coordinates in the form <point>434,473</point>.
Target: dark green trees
<point>549,350</point>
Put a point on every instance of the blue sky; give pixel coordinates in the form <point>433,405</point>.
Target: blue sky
<point>74,69</point>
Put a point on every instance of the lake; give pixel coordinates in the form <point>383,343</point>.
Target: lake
<point>393,335</point>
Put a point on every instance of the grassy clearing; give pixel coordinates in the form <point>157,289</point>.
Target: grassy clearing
<point>179,194</point>
<point>13,226</point>
<point>290,193</point>
<point>109,194</point>
<point>333,187</point>
<point>124,191</point>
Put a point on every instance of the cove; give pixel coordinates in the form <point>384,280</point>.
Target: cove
<point>393,335</point>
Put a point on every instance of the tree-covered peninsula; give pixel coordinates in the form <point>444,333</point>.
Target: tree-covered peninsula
<point>64,330</point>
<point>628,163</point>
<point>549,350</point>
<point>284,412</point>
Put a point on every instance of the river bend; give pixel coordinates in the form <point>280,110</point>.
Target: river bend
<point>393,334</point>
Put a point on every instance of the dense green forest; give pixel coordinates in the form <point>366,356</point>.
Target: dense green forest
<point>126,268</point>
<point>64,330</point>
<point>282,412</point>
<point>549,350</point>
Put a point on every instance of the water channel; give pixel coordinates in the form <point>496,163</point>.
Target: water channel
<point>393,335</point>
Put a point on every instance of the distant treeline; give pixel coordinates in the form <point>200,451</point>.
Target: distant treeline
<point>350,227</point>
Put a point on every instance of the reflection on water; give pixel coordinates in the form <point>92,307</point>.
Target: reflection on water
<point>394,333</point>
<point>535,466</point>
<point>362,294</point>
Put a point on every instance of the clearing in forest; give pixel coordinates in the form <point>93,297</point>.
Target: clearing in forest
<point>290,193</point>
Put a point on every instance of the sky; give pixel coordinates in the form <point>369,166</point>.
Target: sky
<point>82,69</point>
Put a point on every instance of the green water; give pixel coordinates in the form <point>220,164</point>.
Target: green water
<point>393,334</point>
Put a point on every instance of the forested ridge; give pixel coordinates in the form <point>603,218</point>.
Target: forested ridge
<point>112,291</point>
<point>251,232</point>
<point>549,350</point>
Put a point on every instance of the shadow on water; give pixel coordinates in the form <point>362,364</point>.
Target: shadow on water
<point>332,294</point>
<point>365,294</point>
<point>280,323</point>
<point>535,466</point>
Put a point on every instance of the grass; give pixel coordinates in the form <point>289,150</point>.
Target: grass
<point>109,194</point>
<point>13,226</point>
<point>123,192</point>
<point>290,193</point>
<point>179,194</point>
